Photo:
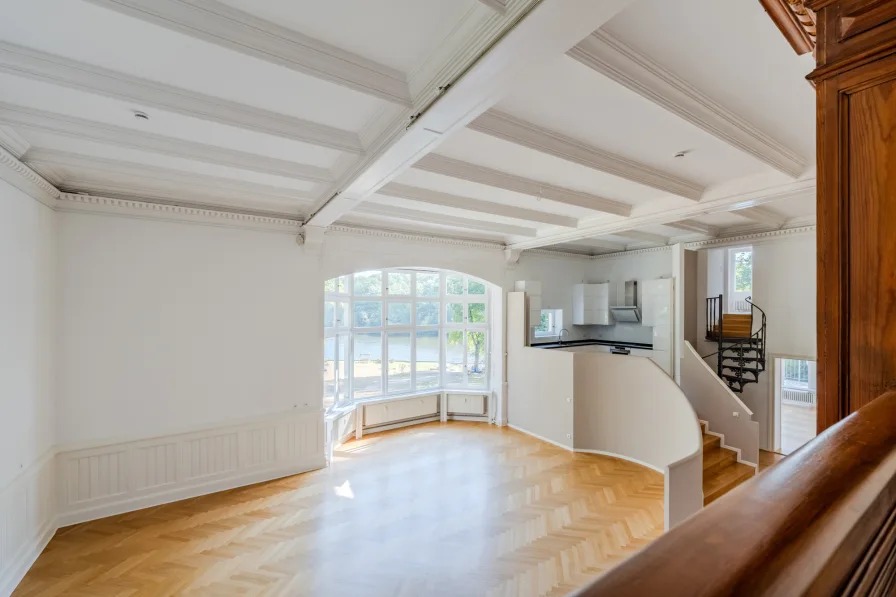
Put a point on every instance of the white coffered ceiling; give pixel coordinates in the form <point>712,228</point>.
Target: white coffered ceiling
<point>557,123</point>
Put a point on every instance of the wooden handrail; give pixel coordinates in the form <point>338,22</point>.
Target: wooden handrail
<point>820,522</point>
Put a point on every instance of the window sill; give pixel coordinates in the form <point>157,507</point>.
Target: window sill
<point>342,410</point>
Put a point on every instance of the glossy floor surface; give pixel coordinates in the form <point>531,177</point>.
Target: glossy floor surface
<point>798,424</point>
<point>457,509</point>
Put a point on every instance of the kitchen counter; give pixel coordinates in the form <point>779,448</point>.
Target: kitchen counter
<point>610,343</point>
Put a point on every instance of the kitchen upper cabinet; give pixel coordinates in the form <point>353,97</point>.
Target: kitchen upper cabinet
<point>591,304</point>
<point>656,302</point>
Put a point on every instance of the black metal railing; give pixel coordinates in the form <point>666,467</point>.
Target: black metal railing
<point>736,348</point>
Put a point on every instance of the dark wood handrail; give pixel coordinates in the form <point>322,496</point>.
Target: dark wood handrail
<point>820,522</point>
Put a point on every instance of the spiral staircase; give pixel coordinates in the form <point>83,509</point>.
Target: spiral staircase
<point>741,340</point>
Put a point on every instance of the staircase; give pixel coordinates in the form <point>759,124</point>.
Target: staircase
<point>741,354</point>
<point>721,470</point>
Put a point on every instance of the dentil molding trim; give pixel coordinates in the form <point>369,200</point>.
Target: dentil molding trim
<point>13,171</point>
<point>756,236</point>
<point>629,253</point>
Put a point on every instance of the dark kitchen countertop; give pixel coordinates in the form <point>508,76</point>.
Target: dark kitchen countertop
<point>592,343</point>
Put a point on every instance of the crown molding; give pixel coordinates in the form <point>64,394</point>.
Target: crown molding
<point>11,141</point>
<point>217,23</point>
<point>556,254</point>
<point>77,128</point>
<point>389,211</point>
<point>408,236</point>
<point>497,209</point>
<point>648,214</point>
<point>795,21</point>
<point>72,202</point>
<point>509,128</point>
<point>473,173</point>
<point>630,253</point>
<point>766,236</point>
<point>57,70</point>
<point>610,57</point>
<point>22,177</point>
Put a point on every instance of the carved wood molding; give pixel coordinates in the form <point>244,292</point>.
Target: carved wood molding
<point>795,21</point>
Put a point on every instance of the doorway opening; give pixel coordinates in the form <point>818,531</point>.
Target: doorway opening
<point>796,403</point>
<point>740,279</point>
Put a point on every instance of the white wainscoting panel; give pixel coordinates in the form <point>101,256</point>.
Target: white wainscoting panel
<point>27,520</point>
<point>112,479</point>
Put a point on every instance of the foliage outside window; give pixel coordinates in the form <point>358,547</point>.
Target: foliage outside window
<point>394,332</point>
<point>743,271</point>
<point>796,373</point>
<point>551,322</point>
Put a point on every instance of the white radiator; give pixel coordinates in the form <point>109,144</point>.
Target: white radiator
<point>803,397</point>
<point>742,306</point>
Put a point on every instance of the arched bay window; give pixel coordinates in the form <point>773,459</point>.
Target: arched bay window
<point>402,331</point>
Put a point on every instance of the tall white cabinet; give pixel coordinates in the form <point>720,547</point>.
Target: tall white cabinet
<point>591,304</point>
<point>657,298</point>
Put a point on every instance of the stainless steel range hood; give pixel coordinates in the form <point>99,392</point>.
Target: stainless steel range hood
<point>628,313</point>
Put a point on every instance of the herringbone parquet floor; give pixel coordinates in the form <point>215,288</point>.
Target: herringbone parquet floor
<point>453,510</point>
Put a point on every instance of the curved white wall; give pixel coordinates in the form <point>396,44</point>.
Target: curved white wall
<point>627,406</point>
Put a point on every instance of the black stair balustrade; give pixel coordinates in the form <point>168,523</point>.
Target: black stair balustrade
<point>739,361</point>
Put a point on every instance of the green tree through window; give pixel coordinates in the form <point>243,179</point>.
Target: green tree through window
<point>743,271</point>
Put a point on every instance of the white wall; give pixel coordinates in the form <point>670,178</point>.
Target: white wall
<point>27,275</point>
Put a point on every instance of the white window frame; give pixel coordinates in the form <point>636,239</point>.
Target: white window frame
<point>733,296</point>
<point>555,318</point>
<point>342,328</point>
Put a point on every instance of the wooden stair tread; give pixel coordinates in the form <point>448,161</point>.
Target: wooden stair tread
<point>723,480</point>
<point>716,459</point>
<point>710,442</point>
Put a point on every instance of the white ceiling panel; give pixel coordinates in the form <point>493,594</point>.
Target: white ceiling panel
<point>140,49</point>
<point>398,33</point>
<point>455,212</point>
<point>723,219</point>
<point>735,55</point>
<point>456,186</point>
<point>43,96</point>
<point>491,152</point>
<point>797,207</point>
<point>575,101</point>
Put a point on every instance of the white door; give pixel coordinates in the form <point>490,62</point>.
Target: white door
<point>740,279</point>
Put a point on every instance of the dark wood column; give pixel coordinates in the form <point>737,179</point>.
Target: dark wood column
<point>856,85</point>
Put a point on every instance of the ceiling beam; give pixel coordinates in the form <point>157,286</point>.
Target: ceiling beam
<point>512,129</point>
<point>12,141</point>
<point>486,176</point>
<point>77,128</point>
<point>644,237</point>
<point>536,33</point>
<point>610,57</point>
<point>601,244</point>
<point>762,215</point>
<point>499,6</point>
<point>48,68</point>
<point>487,207</point>
<point>694,226</point>
<point>168,176</point>
<point>217,23</point>
<point>414,215</point>
<point>647,215</point>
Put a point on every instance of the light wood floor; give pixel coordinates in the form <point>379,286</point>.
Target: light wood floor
<point>798,424</point>
<point>435,510</point>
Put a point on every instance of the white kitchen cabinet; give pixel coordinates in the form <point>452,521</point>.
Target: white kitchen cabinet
<point>532,288</point>
<point>656,302</point>
<point>591,304</point>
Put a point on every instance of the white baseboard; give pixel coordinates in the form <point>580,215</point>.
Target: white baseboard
<point>115,478</point>
<point>27,520</point>
<point>542,438</point>
<point>621,457</point>
<point>470,418</point>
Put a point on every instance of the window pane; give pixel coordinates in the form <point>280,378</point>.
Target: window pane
<point>545,326</point>
<point>399,284</point>
<point>455,313</point>
<point>427,353</point>
<point>367,366</point>
<point>341,368</point>
<point>427,313</point>
<point>427,284</point>
<point>455,284</point>
<point>368,314</point>
<point>330,285</point>
<point>399,313</point>
<point>454,358</point>
<point>399,374</point>
<point>476,358</point>
<point>474,287</point>
<point>476,313</point>
<point>342,284</point>
<point>743,271</point>
<point>342,315</point>
<point>329,371</point>
<point>369,284</point>
<point>329,314</point>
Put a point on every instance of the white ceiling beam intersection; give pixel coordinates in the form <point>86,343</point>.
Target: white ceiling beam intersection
<point>762,215</point>
<point>644,237</point>
<point>77,128</point>
<point>610,57</point>
<point>49,68</point>
<point>456,222</point>
<point>486,176</point>
<point>236,30</point>
<point>694,226</point>
<point>499,6</point>
<point>487,207</point>
<point>512,129</point>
